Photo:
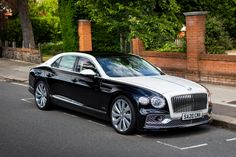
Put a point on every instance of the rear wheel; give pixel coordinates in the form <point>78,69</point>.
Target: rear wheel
<point>123,116</point>
<point>42,96</point>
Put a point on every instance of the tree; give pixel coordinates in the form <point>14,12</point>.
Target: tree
<point>21,6</point>
<point>68,24</point>
<point>45,20</point>
<point>47,8</point>
<point>152,21</point>
<point>26,26</point>
<point>3,9</point>
<point>223,10</point>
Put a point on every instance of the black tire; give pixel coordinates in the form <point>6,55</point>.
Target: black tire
<point>123,115</point>
<point>41,96</point>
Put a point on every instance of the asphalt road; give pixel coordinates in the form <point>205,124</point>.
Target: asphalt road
<point>27,131</point>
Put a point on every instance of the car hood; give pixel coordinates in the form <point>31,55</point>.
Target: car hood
<point>163,84</point>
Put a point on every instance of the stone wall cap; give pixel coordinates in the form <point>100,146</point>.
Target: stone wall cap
<point>83,20</point>
<point>195,13</point>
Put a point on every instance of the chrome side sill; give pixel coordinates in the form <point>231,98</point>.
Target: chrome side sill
<point>65,99</point>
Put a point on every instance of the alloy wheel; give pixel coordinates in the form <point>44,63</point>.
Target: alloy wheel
<point>121,115</point>
<point>41,95</point>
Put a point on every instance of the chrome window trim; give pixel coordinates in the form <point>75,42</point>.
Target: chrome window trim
<point>73,71</point>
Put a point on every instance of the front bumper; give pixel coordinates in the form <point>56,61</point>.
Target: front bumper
<point>165,122</point>
<point>154,120</point>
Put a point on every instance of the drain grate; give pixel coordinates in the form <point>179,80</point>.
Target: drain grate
<point>232,102</point>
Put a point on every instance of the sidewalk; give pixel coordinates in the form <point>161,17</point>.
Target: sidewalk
<point>223,97</point>
<point>224,105</point>
<point>13,70</point>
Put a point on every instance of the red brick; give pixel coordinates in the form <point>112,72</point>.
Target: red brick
<point>137,46</point>
<point>85,37</point>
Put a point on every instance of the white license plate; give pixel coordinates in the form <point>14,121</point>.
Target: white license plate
<point>191,115</point>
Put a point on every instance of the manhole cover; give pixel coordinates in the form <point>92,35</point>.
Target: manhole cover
<point>232,102</point>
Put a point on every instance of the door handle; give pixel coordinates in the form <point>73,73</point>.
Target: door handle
<point>74,80</point>
<point>50,75</point>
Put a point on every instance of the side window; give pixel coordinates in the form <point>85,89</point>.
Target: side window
<point>67,62</point>
<point>83,64</point>
<point>56,63</point>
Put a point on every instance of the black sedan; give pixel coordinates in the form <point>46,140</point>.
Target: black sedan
<point>124,89</point>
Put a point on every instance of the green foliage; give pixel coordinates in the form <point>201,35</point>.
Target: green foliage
<point>45,23</point>
<point>45,20</point>
<point>154,31</point>
<point>217,38</point>
<point>47,8</point>
<point>12,32</point>
<point>51,48</point>
<point>171,47</point>
<point>224,10</point>
<point>115,22</point>
<point>46,29</point>
<point>68,26</point>
<point>150,20</point>
<point>103,40</point>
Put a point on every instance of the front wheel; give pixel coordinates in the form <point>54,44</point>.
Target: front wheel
<point>42,96</point>
<point>123,115</point>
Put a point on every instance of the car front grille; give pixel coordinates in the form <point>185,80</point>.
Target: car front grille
<point>189,102</point>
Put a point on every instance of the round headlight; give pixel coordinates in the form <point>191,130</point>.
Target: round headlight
<point>158,102</point>
<point>143,100</point>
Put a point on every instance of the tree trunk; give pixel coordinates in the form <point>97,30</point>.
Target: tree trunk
<point>121,42</point>
<point>26,26</point>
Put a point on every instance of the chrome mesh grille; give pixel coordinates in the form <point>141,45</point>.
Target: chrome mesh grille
<point>190,102</point>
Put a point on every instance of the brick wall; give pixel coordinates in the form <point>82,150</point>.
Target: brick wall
<point>23,54</point>
<point>195,65</point>
<point>217,69</point>
<point>169,62</point>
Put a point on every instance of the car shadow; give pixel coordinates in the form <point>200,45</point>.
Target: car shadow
<point>176,132</point>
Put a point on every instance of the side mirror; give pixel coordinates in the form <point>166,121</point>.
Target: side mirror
<point>88,72</point>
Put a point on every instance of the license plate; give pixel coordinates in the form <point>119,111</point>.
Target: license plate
<point>191,115</point>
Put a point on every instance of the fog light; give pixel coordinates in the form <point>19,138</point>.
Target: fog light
<point>159,118</point>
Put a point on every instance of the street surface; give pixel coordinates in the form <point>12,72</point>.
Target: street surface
<point>27,131</point>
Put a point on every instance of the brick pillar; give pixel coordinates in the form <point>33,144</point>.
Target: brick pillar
<point>137,46</point>
<point>195,38</point>
<point>85,37</point>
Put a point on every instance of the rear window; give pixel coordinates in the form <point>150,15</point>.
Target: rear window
<point>65,63</point>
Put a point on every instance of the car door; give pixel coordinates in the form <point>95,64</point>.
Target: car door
<point>86,88</point>
<point>60,77</point>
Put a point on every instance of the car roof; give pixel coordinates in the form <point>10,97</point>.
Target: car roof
<point>89,54</point>
<point>107,54</point>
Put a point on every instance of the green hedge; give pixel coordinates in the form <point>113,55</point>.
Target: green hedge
<point>51,49</point>
<point>68,25</point>
<point>12,32</point>
<point>217,37</point>
<point>46,29</point>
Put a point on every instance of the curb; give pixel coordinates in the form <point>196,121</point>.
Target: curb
<point>224,121</point>
<point>8,79</point>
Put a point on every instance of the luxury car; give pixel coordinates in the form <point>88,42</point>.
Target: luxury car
<point>122,88</point>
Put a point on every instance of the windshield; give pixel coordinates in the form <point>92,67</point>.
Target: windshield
<point>127,66</point>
